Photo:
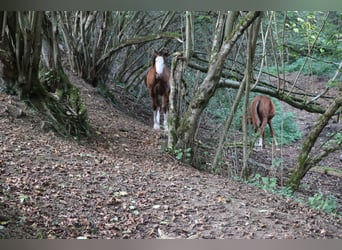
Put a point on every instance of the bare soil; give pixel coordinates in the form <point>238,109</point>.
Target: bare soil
<point>122,184</point>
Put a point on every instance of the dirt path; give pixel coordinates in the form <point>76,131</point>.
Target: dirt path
<point>123,185</point>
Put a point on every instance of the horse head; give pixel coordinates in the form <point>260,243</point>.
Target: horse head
<point>159,59</point>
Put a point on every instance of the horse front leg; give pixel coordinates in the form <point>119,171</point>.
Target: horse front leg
<point>156,118</point>
<point>165,109</point>
<point>156,112</point>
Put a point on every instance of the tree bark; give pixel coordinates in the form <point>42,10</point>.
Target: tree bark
<point>63,108</point>
<point>62,104</point>
<point>95,37</point>
<point>305,162</point>
<point>244,88</point>
<point>176,78</point>
<point>189,122</point>
<point>21,50</point>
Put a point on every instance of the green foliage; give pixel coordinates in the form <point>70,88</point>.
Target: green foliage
<point>103,89</point>
<point>268,184</point>
<point>23,198</point>
<point>7,88</point>
<point>263,182</point>
<point>327,203</point>
<point>181,154</point>
<point>220,105</point>
<point>304,29</point>
<point>286,191</point>
<point>276,162</point>
<point>334,84</point>
<point>335,140</point>
<point>285,125</point>
<point>51,78</point>
<point>315,34</point>
<point>313,67</point>
<point>338,138</point>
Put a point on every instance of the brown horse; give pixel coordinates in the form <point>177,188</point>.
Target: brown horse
<point>157,83</point>
<point>262,111</point>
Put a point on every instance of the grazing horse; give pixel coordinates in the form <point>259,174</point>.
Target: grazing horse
<point>157,83</point>
<point>262,111</point>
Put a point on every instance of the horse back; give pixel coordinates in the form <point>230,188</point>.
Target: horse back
<point>266,107</point>
<point>261,108</point>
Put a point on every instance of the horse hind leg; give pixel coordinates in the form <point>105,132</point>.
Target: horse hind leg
<point>262,143</point>
<point>272,133</point>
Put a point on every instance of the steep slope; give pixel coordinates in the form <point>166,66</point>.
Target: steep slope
<point>122,184</point>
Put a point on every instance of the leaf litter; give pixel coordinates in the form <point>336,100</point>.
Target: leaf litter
<point>123,185</point>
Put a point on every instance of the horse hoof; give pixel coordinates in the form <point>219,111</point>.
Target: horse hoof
<point>156,127</point>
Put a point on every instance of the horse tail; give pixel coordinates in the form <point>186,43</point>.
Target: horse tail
<point>256,113</point>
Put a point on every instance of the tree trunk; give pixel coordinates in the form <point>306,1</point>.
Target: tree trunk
<point>252,36</point>
<point>23,43</point>
<point>189,122</point>
<point>305,162</point>
<point>9,71</point>
<point>63,104</point>
<point>244,88</point>
<point>20,51</point>
<point>176,78</point>
<point>95,38</point>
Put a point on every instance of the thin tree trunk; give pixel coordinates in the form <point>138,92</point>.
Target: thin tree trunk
<point>23,44</point>
<point>305,162</point>
<point>189,34</point>
<point>176,78</point>
<point>189,123</point>
<point>64,109</point>
<point>252,35</point>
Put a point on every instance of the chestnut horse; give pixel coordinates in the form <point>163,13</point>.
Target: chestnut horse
<point>157,83</point>
<point>262,111</point>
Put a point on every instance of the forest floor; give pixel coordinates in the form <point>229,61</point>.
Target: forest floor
<point>122,184</point>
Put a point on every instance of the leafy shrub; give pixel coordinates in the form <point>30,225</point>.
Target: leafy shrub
<point>285,125</point>
<point>327,203</point>
<point>311,68</point>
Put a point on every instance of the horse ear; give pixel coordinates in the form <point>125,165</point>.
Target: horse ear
<point>154,52</point>
<point>166,52</point>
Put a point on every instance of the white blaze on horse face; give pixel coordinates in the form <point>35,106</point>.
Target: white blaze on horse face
<point>159,65</point>
<point>156,119</point>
